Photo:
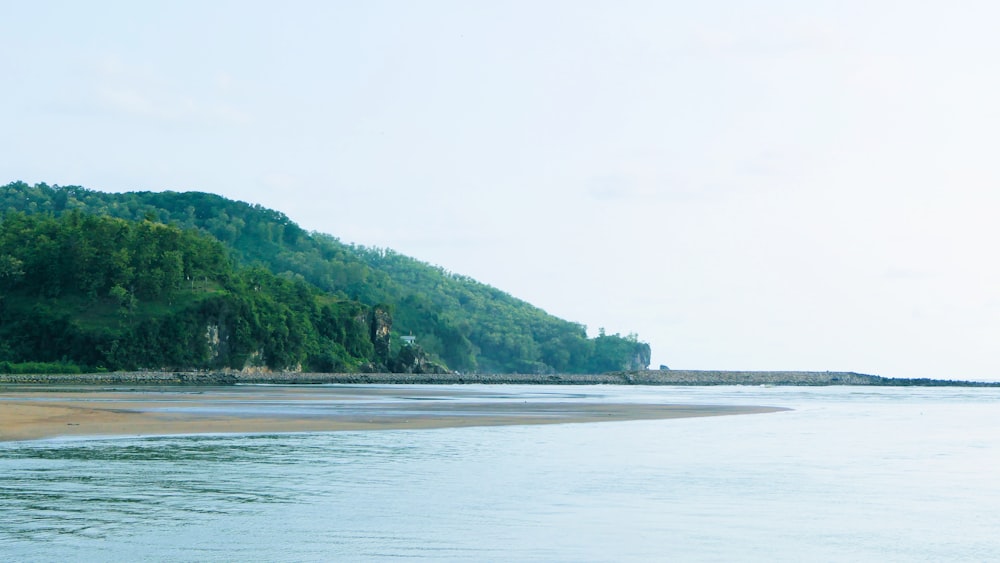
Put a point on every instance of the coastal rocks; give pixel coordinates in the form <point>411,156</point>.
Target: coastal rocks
<point>124,378</point>
<point>413,359</point>
<point>650,377</point>
<point>776,378</point>
<point>640,359</point>
<point>210,378</point>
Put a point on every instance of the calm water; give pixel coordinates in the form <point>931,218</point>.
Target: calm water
<point>853,474</point>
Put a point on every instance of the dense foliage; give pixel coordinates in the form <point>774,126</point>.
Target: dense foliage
<point>108,293</point>
<point>465,324</point>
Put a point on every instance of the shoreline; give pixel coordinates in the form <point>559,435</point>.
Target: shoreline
<point>33,414</point>
<point>645,377</point>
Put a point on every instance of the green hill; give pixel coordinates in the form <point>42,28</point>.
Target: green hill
<point>101,292</point>
<point>312,304</point>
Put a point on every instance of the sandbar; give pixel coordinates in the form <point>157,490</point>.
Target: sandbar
<point>28,413</point>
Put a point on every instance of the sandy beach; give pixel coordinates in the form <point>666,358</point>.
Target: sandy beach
<point>35,412</point>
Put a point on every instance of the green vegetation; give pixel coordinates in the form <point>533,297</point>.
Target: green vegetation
<point>39,367</point>
<point>107,293</point>
<point>194,280</point>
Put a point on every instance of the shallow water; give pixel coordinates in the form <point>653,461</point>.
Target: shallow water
<point>870,474</point>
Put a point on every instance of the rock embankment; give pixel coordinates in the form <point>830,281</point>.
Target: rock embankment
<point>646,377</point>
<point>706,377</point>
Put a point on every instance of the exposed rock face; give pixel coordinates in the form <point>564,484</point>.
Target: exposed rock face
<point>639,360</point>
<point>213,335</point>
<point>381,324</point>
<point>413,359</point>
<point>217,337</point>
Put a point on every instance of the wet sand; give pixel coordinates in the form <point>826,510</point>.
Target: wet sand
<point>36,412</point>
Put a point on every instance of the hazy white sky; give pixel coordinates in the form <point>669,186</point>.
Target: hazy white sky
<point>747,185</point>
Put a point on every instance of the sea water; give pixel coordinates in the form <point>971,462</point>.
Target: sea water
<point>851,474</point>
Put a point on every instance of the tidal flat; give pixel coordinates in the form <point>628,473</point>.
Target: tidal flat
<point>33,411</point>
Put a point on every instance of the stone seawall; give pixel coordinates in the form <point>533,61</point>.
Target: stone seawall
<point>648,377</point>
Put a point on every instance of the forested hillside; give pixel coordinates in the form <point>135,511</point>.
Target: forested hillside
<point>466,325</point>
<point>105,293</point>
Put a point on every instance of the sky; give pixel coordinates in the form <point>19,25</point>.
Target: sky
<point>758,185</point>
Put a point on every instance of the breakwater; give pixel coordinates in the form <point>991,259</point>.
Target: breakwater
<point>645,377</point>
